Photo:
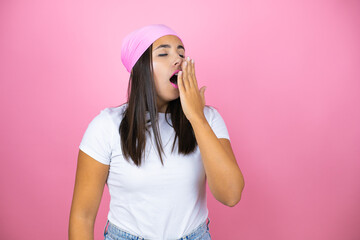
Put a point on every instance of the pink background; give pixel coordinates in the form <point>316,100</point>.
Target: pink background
<point>285,76</point>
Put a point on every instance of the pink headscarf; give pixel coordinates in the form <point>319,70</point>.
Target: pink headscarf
<point>136,43</point>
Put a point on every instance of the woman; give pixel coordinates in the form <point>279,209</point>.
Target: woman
<point>156,192</point>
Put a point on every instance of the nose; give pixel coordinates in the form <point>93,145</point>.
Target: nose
<point>178,61</point>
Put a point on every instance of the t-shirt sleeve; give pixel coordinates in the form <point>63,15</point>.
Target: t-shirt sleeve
<point>217,123</point>
<point>96,141</point>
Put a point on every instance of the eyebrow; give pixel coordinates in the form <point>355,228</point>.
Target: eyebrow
<point>168,46</point>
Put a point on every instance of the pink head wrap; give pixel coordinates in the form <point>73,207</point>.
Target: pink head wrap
<point>136,43</point>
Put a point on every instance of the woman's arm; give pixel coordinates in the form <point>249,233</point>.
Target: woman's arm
<point>224,177</point>
<point>90,180</point>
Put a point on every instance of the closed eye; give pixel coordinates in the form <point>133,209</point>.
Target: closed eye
<point>161,55</point>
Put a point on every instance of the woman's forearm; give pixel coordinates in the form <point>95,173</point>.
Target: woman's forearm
<point>81,229</point>
<point>223,175</point>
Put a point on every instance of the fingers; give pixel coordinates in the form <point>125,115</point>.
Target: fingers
<point>193,73</point>
<point>185,74</point>
<point>180,82</point>
<point>189,72</point>
<point>188,75</point>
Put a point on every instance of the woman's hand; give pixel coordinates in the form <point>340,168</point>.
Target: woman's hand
<point>192,99</point>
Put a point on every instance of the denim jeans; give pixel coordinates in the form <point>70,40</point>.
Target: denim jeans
<point>115,233</point>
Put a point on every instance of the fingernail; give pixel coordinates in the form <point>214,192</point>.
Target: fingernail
<point>188,58</point>
<point>192,60</point>
<point>185,63</point>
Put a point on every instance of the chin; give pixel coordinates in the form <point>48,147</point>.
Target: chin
<point>174,96</point>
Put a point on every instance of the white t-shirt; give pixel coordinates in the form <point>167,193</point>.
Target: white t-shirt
<point>153,201</point>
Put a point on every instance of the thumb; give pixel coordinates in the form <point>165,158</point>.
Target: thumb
<point>202,93</point>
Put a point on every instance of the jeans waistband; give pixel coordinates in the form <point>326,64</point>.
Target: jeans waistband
<point>115,230</point>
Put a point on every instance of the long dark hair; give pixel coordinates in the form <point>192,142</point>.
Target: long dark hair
<point>141,98</point>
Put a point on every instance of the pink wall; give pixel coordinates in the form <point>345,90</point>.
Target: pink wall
<point>285,75</point>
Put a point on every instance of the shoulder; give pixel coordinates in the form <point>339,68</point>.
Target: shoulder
<point>107,119</point>
<point>216,122</point>
<point>115,114</point>
<point>211,113</point>
<point>116,110</point>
